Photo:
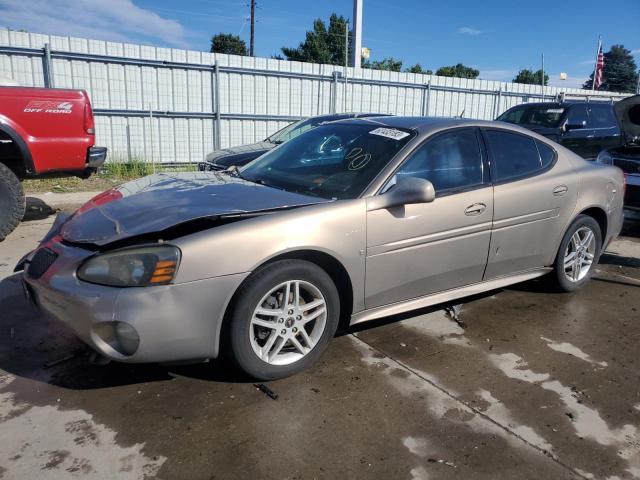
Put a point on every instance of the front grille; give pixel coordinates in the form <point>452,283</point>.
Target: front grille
<point>40,263</point>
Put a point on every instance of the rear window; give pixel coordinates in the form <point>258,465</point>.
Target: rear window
<point>514,156</point>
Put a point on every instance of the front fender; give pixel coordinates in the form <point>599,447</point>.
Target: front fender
<point>337,229</point>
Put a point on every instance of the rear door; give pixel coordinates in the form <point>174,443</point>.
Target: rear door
<point>604,127</point>
<point>578,135</point>
<point>535,192</point>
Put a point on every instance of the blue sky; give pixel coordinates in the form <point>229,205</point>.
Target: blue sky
<point>498,37</point>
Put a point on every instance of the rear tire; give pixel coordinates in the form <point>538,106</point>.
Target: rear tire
<point>270,337</point>
<point>578,254</point>
<point>12,201</point>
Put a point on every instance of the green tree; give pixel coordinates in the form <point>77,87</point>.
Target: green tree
<point>459,70</point>
<point>620,73</point>
<point>530,77</point>
<point>417,68</point>
<point>322,44</point>
<point>388,63</point>
<point>228,43</point>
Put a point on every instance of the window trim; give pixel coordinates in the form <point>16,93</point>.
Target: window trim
<point>487,173</point>
<point>517,178</point>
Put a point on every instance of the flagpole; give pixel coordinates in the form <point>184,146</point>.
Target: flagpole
<point>595,67</point>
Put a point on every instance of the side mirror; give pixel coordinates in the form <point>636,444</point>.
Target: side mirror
<point>575,126</point>
<point>408,190</point>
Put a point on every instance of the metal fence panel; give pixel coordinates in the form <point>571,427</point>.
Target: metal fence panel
<point>161,103</point>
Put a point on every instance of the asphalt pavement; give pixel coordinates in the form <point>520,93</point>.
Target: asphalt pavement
<point>515,383</point>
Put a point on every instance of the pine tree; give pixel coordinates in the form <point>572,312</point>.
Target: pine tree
<point>619,74</point>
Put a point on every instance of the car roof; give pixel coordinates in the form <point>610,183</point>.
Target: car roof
<point>428,125</point>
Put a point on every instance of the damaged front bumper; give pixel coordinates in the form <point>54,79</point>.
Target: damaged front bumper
<point>177,322</point>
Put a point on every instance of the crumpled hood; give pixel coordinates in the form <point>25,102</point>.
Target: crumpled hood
<point>158,202</point>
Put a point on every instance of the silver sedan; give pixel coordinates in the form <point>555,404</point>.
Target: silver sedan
<point>349,222</point>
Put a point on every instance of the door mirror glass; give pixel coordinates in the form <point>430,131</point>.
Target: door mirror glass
<point>407,190</point>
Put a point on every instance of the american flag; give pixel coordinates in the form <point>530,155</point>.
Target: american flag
<point>597,79</point>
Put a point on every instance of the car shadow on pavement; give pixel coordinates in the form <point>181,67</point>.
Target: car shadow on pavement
<point>36,347</point>
<point>619,260</point>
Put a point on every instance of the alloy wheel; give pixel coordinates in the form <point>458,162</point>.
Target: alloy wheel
<point>288,322</point>
<point>580,254</point>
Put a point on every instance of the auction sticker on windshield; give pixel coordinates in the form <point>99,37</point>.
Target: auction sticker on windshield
<point>389,133</point>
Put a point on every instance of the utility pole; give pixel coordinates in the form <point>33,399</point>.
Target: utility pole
<point>357,33</point>
<point>253,21</point>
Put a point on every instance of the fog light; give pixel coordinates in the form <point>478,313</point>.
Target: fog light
<point>120,336</point>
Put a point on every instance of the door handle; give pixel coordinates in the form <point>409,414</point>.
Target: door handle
<point>475,209</point>
<point>560,190</point>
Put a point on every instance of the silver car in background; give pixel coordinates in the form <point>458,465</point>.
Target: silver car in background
<point>353,220</point>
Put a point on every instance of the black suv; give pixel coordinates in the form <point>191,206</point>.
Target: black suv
<point>586,128</point>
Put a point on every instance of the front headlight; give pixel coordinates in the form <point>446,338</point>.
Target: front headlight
<point>605,158</point>
<point>132,267</point>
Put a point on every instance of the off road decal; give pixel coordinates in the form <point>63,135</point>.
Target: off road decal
<point>47,106</point>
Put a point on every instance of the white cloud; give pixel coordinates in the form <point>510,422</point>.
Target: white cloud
<point>635,52</point>
<point>117,20</point>
<point>469,31</point>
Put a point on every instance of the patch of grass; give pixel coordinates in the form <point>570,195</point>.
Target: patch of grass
<point>114,172</point>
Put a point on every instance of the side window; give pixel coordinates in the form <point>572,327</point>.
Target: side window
<point>514,155</point>
<point>547,154</point>
<point>450,161</point>
<point>577,115</point>
<point>601,116</point>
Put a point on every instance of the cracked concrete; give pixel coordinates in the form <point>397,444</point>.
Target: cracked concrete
<point>538,385</point>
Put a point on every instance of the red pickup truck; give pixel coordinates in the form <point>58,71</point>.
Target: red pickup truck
<point>43,132</point>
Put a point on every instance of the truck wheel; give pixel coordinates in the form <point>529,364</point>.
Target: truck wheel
<point>12,201</point>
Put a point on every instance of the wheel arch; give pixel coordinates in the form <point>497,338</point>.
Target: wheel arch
<point>330,264</point>
<point>25,165</point>
<point>600,216</point>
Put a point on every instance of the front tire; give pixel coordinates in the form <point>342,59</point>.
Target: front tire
<point>578,254</point>
<point>12,201</point>
<point>284,316</point>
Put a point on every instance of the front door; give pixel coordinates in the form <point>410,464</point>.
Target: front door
<point>419,249</point>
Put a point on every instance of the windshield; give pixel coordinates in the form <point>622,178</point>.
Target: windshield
<point>541,115</point>
<point>294,129</point>
<point>333,161</point>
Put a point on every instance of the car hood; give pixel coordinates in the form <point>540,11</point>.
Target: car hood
<point>162,201</point>
<point>628,113</point>
<point>226,156</point>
